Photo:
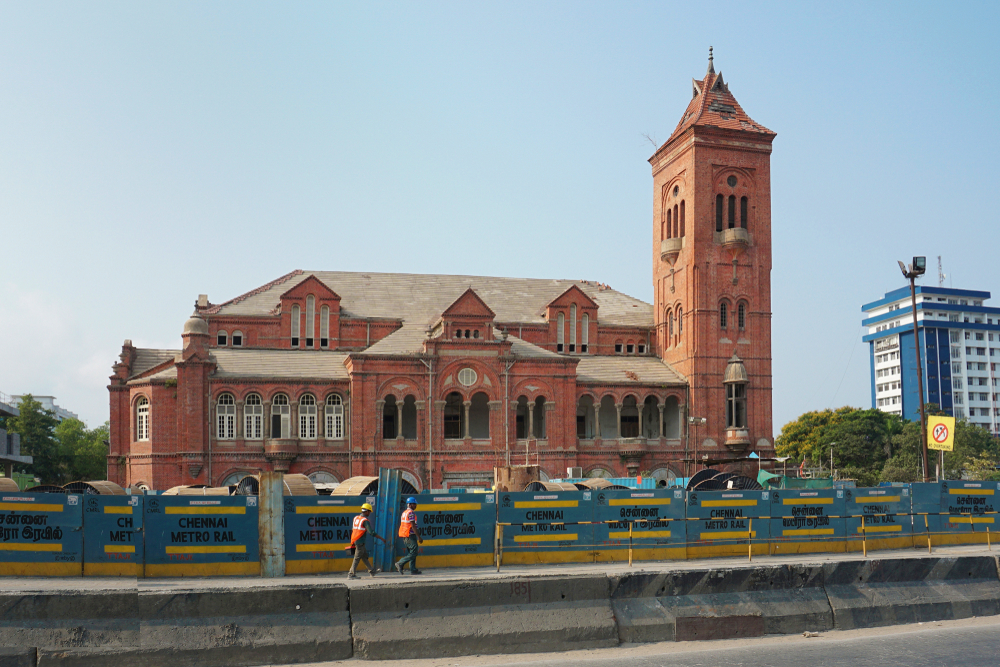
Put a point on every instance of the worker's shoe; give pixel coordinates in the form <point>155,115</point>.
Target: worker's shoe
<point>374,572</point>
<point>351,575</point>
<point>413,571</point>
<point>399,568</point>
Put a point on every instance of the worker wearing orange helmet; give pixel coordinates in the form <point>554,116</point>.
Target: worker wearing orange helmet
<point>359,529</point>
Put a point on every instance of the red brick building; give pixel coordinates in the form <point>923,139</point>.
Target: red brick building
<point>336,374</point>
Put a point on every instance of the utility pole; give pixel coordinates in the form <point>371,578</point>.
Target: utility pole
<point>918,268</point>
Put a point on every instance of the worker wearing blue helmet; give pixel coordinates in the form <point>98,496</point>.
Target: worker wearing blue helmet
<point>410,533</point>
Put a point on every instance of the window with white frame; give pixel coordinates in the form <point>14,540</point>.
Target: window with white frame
<point>296,311</point>
<point>324,326</point>
<point>142,419</point>
<point>225,417</point>
<point>307,417</point>
<point>572,328</point>
<point>281,416</point>
<point>334,417</point>
<point>221,338</point>
<point>253,418</point>
<point>310,320</point>
<point>237,339</point>
<point>560,333</point>
<point>585,333</point>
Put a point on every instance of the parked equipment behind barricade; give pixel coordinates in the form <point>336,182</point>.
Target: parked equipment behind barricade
<point>457,529</point>
<point>546,527</point>
<point>8,485</point>
<point>638,524</point>
<point>41,534</point>
<point>968,510</point>
<point>878,518</point>
<point>807,521</point>
<point>112,536</point>
<point>191,536</point>
<point>728,523</point>
<point>95,488</point>
<point>318,532</point>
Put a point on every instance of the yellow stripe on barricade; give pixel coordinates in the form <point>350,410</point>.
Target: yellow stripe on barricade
<point>970,492</point>
<point>808,531</point>
<point>546,538</point>
<point>728,503</point>
<point>877,499</point>
<point>327,509</point>
<point>453,542</point>
<point>28,546</point>
<point>450,507</point>
<point>623,534</point>
<point>728,535</point>
<point>534,504</point>
<point>638,501</point>
<point>117,509</point>
<point>119,549</point>
<point>299,548</point>
<point>881,529</point>
<point>209,549</point>
<point>970,519</point>
<point>807,501</point>
<point>205,510</point>
<point>30,507</point>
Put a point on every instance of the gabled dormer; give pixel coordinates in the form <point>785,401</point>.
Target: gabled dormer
<point>310,316</point>
<point>468,318</point>
<point>572,318</point>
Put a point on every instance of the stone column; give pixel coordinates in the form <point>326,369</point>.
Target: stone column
<point>661,406</point>
<point>399,421</point>
<point>597,421</point>
<point>240,418</point>
<point>618,409</point>
<point>465,423</point>
<point>641,407</point>
<point>531,422</point>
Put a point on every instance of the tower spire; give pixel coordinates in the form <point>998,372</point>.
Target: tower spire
<point>711,65</point>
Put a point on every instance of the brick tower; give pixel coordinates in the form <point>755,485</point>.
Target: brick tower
<point>712,268</point>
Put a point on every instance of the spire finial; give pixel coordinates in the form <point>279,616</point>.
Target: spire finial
<point>711,65</point>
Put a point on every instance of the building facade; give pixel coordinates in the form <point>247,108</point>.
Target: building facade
<point>49,403</point>
<point>959,346</point>
<point>334,374</point>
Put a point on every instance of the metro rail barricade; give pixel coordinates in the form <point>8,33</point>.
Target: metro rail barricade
<point>201,536</point>
<point>457,529</point>
<point>968,509</point>
<point>807,521</point>
<point>318,532</point>
<point>878,518</point>
<point>112,536</point>
<point>41,535</point>
<point>728,523</point>
<point>648,523</point>
<point>546,527</point>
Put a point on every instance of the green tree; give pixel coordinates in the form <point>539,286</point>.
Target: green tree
<point>36,425</point>
<point>799,439</point>
<point>83,450</point>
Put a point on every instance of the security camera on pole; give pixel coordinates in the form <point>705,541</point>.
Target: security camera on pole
<point>918,268</point>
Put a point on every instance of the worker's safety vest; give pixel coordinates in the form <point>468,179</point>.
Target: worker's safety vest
<point>359,529</point>
<point>407,523</point>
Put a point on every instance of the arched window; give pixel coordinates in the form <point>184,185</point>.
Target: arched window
<point>237,339</point>
<point>675,221</point>
<point>741,315</point>
<point>467,331</point>
<point>736,405</point>
<point>630,347</point>
<point>281,417</point>
<point>669,223</point>
<point>475,333</point>
<point>682,218</point>
<point>680,322</point>
<point>744,204</point>
<point>572,328</point>
<point>324,326</point>
<point>334,417</point>
<point>585,333</point>
<point>225,418</point>
<point>142,419</point>
<point>670,327</point>
<point>221,338</point>
<point>307,417</point>
<point>295,325</point>
<point>618,347</point>
<point>253,418</point>
<point>732,211</point>
<point>560,332</point>
<point>723,315</point>
<point>719,203</point>
<point>458,333</point>
<point>310,319</point>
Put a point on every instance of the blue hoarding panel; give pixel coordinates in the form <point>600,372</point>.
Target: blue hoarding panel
<point>651,520</point>
<point>318,532</point>
<point>457,530</point>
<point>547,526</point>
<point>112,536</point>
<point>41,534</point>
<point>807,520</point>
<point>879,516</point>
<point>968,509</point>
<point>723,523</point>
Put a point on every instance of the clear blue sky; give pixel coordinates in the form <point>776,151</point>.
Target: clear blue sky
<point>151,152</point>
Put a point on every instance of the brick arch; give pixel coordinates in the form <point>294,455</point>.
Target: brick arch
<point>593,396</point>
<point>742,175</point>
<point>634,393</point>
<point>242,393</point>
<point>225,390</point>
<point>387,388</point>
<point>482,370</point>
<point>268,396</point>
<point>324,468</point>
<point>609,466</point>
<point>134,400</point>
<point>542,389</point>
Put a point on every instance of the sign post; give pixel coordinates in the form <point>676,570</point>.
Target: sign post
<point>941,436</point>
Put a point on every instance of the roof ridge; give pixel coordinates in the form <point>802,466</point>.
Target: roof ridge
<point>211,310</point>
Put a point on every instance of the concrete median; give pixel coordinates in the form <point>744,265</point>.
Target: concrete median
<point>720,603</point>
<point>53,619</point>
<point>872,593</point>
<point>437,619</point>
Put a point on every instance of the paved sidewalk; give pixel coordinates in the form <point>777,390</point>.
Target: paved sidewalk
<point>94,584</point>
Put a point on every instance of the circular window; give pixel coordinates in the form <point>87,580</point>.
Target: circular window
<point>467,377</point>
<point>732,181</point>
<point>676,190</point>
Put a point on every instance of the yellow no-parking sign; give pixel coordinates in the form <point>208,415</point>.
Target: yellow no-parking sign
<point>941,433</point>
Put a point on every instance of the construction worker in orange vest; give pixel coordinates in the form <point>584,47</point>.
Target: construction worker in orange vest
<point>410,533</point>
<point>359,529</point>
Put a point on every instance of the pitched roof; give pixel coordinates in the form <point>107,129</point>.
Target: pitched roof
<point>626,370</point>
<point>288,364</point>
<point>419,299</point>
<point>712,105</point>
<point>145,359</point>
<point>409,339</point>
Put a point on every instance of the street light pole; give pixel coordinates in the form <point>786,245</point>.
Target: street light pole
<point>918,268</point>
<point>696,421</point>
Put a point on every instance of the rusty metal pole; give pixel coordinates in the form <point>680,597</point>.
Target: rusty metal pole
<point>920,377</point>
<point>271,524</point>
